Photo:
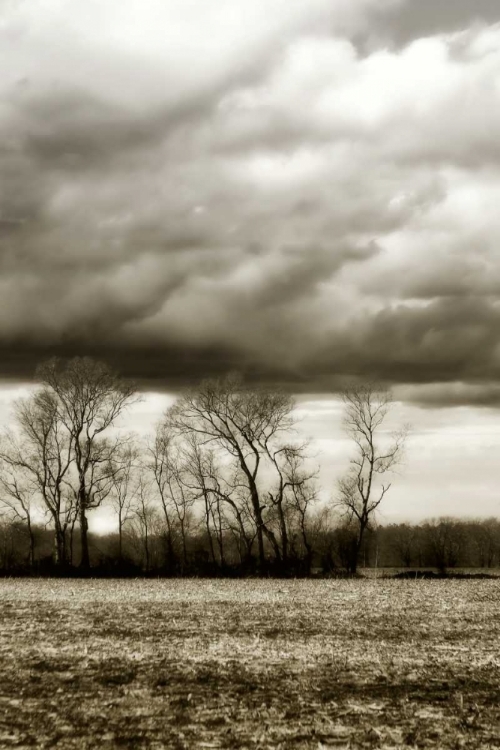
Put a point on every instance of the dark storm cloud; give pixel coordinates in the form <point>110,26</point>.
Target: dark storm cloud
<point>446,340</point>
<point>419,18</point>
<point>250,192</point>
<point>444,352</point>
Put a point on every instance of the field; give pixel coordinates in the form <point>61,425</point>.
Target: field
<point>249,664</point>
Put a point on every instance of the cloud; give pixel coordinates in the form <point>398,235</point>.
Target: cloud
<point>306,192</point>
<point>413,20</point>
<point>443,340</point>
<point>451,394</point>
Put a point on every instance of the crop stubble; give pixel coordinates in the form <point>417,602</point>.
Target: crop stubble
<point>257,664</point>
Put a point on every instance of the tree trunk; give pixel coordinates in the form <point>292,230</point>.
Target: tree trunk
<point>209,533</point>
<point>169,556</point>
<point>308,548</point>
<point>146,548</point>
<point>221,545</point>
<point>120,537</point>
<point>85,559</point>
<point>32,545</point>
<point>260,533</point>
<point>284,537</point>
<point>59,546</point>
<point>71,539</point>
<point>259,523</point>
<point>257,510</point>
<point>359,541</point>
<point>184,548</point>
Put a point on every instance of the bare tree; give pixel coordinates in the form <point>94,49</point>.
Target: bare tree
<point>230,509</point>
<point>90,397</point>
<point>302,497</point>
<point>182,498</point>
<point>158,463</point>
<point>291,495</point>
<point>146,514</point>
<point>199,468</point>
<point>363,488</point>
<point>178,494</point>
<point>17,501</point>
<point>244,423</point>
<point>36,460</point>
<point>125,485</point>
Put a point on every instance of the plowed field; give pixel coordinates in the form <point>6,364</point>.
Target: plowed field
<point>249,664</point>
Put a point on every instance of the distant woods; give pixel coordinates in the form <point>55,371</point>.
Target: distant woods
<point>225,485</point>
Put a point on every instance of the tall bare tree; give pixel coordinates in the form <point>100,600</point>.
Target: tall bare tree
<point>182,498</point>
<point>221,495</point>
<point>244,423</point>
<point>301,497</point>
<point>291,494</point>
<point>36,461</point>
<point>158,463</point>
<point>90,397</point>
<point>146,515</point>
<point>364,486</point>
<point>168,461</point>
<point>199,468</point>
<point>124,471</point>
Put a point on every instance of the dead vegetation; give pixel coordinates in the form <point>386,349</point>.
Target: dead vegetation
<point>257,664</point>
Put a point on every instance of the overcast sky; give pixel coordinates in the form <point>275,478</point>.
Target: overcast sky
<point>306,191</point>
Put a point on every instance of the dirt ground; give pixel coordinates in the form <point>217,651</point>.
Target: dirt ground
<point>249,664</point>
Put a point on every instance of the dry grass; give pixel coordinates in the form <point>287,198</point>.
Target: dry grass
<point>257,664</point>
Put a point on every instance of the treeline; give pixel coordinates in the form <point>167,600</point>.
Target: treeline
<point>224,486</point>
<point>443,545</point>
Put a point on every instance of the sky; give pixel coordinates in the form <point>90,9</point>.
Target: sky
<point>304,191</point>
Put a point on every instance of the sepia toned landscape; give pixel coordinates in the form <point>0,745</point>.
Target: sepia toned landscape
<point>249,374</point>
